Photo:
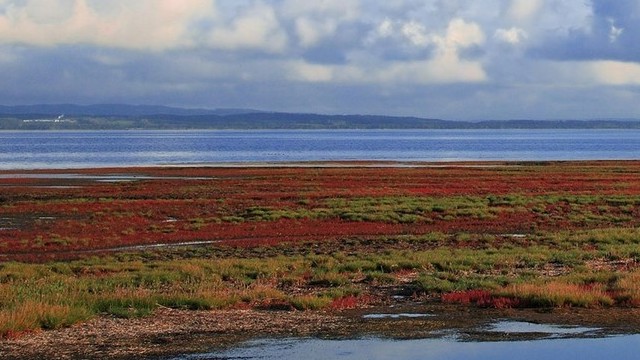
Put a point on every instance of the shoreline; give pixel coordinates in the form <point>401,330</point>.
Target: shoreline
<point>170,333</point>
<point>28,172</point>
<point>374,164</point>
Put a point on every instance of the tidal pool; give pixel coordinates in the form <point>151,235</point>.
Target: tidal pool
<point>496,340</point>
<point>617,347</point>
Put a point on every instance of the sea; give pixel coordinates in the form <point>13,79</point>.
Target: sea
<point>86,149</point>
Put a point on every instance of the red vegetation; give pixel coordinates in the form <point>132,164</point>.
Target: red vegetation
<point>13,334</point>
<point>350,302</point>
<point>43,218</point>
<point>481,298</point>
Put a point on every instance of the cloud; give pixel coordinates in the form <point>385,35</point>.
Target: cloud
<point>156,25</point>
<point>512,35</point>
<point>310,32</point>
<point>315,21</point>
<point>303,71</point>
<point>340,9</point>
<point>256,27</point>
<point>416,33</point>
<point>385,29</point>
<point>445,66</point>
<point>449,58</point>
<point>463,34</point>
<point>615,72</point>
<point>524,10</point>
<point>612,33</point>
<point>143,24</point>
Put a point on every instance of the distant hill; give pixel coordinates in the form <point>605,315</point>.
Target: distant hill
<point>119,116</point>
<point>113,110</point>
<point>266,120</point>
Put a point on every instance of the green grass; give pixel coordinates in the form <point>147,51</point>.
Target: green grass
<point>583,209</point>
<point>59,294</point>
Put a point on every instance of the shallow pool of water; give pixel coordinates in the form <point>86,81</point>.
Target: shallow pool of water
<point>617,347</point>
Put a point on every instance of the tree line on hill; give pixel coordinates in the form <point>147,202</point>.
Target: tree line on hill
<point>121,117</point>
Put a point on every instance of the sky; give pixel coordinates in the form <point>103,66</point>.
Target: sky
<point>449,59</point>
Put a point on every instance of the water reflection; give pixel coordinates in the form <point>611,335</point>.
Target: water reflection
<point>620,348</point>
<point>521,327</point>
<point>497,340</point>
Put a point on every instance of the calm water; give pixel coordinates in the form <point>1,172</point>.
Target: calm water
<point>28,150</point>
<point>619,348</point>
<point>521,340</point>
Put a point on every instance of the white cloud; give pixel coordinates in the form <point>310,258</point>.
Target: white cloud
<point>310,31</point>
<point>416,33</point>
<point>142,24</point>
<point>317,20</point>
<point>614,72</point>
<point>614,32</point>
<point>459,33</point>
<point>541,17</point>
<point>341,9</point>
<point>46,12</point>
<point>512,36</point>
<point>524,10</point>
<point>257,27</point>
<point>444,69</point>
<point>445,66</point>
<point>582,74</point>
<point>303,71</point>
<point>385,29</point>
<point>463,34</point>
